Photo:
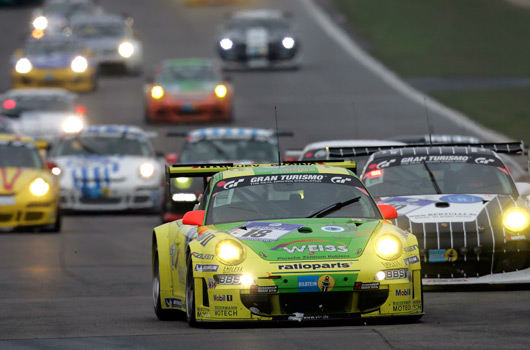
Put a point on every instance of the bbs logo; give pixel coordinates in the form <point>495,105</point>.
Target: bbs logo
<point>229,184</point>
<point>482,160</point>
<point>339,180</point>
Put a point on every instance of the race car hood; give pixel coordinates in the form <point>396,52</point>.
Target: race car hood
<point>445,207</point>
<point>101,167</point>
<point>189,87</point>
<point>41,123</point>
<point>14,180</point>
<point>52,60</point>
<point>304,239</point>
<point>256,33</point>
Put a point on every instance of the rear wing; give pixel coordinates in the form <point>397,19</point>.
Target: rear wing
<point>207,170</point>
<point>516,147</point>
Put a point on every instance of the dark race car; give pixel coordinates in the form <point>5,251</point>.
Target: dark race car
<point>259,39</point>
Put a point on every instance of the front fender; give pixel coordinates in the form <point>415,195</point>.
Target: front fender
<point>161,245</point>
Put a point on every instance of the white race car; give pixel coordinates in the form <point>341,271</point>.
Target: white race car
<point>108,167</point>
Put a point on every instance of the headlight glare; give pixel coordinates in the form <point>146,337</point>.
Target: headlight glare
<point>516,219</point>
<point>126,49</point>
<point>230,252</point>
<point>39,187</point>
<point>72,124</point>
<point>184,197</point>
<point>221,91</point>
<point>226,44</point>
<point>288,42</point>
<point>23,66</point>
<point>247,280</point>
<point>79,64</point>
<point>388,246</point>
<point>40,23</point>
<point>147,170</point>
<point>157,92</point>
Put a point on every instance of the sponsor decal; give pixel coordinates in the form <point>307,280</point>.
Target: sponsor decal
<point>402,292</point>
<point>225,311</point>
<point>8,184</point>
<point>263,231</point>
<point>223,297</point>
<point>401,306</point>
<point>366,286</point>
<point>385,163</point>
<point>308,283</point>
<point>326,283</point>
<point>172,302</point>
<point>206,268</point>
<point>263,289</point>
<point>229,184</point>
<point>396,274</point>
<point>311,248</point>
<point>286,178</point>
<point>451,255</point>
<point>389,264</point>
<point>228,279</point>
<point>411,260</point>
<point>411,248</point>
<point>203,312</point>
<point>340,179</point>
<point>205,239</point>
<point>301,266</point>
<point>436,255</point>
<point>435,159</point>
<point>483,160</point>
<point>232,269</point>
<point>211,283</point>
<point>202,256</point>
<point>174,256</point>
<point>332,228</point>
<point>461,199</point>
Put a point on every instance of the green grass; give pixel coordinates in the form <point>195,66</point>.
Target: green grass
<point>445,38</point>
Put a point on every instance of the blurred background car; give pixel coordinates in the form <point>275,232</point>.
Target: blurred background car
<point>188,90</point>
<point>29,194</point>
<point>215,145</point>
<point>6,125</point>
<point>43,113</point>
<point>258,39</point>
<point>108,168</point>
<point>54,61</point>
<point>112,40</point>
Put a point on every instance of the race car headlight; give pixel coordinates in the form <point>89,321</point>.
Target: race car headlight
<point>126,49</point>
<point>157,92</point>
<point>72,124</point>
<point>388,247</point>
<point>40,23</point>
<point>516,219</point>
<point>288,42</point>
<point>230,252</point>
<point>79,64</point>
<point>39,187</point>
<point>226,44</point>
<point>184,197</point>
<point>23,66</point>
<point>220,91</point>
<point>146,170</point>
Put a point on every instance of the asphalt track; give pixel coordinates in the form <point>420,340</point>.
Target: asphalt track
<point>89,287</point>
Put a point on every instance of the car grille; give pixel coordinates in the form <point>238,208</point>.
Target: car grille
<point>100,200</point>
<point>5,217</point>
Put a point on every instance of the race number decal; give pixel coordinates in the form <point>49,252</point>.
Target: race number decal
<point>263,231</point>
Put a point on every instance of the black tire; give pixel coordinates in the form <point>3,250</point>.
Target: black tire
<point>190,294</point>
<point>162,314</point>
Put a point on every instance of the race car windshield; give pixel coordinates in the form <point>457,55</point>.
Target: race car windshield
<point>271,24</point>
<point>101,30</point>
<point>102,145</point>
<point>14,106</point>
<point>66,9</point>
<point>271,197</point>
<point>19,155</point>
<point>52,47</point>
<point>450,178</point>
<point>208,150</point>
<point>183,73</point>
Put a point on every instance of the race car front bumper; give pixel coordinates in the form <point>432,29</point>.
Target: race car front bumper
<point>31,214</point>
<point>183,111</point>
<point>61,77</point>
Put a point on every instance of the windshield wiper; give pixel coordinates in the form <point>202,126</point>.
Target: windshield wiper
<point>433,180</point>
<point>334,207</point>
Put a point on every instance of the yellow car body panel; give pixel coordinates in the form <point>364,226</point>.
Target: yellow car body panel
<point>64,78</point>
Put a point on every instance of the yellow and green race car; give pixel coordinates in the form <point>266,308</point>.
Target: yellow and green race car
<point>276,242</point>
<point>29,192</point>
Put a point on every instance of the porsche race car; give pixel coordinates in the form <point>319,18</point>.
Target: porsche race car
<point>471,219</point>
<point>299,242</point>
<point>258,39</point>
<point>29,192</point>
<point>108,168</point>
<point>188,90</point>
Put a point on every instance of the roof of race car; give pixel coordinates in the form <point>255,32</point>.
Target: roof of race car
<point>351,143</point>
<point>19,138</point>
<point>432,150</point>
<point>118,129</point>
<point>259,13</point>
<point>99,18</point>
<point>232,133</point>
<point>39,92</point>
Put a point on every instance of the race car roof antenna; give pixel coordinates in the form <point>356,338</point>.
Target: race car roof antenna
<point>428,121</point>
<point>277,136</point>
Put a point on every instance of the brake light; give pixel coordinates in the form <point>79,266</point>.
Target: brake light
<point>374,173</point>
<point>9,104</point>
<point>80,110</point>
<point>308,155</point>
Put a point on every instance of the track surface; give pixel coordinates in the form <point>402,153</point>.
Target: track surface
<point>90,286</point>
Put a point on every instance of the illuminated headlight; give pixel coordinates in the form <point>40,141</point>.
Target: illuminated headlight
<point>388,247</point>
<point>79,64</point>
<point>247,280</point>
<point>288,42</point>
<point>23,66</point>
<point>39,187</point>
<point>220,91</point>
<point>56,171</point>
<point>147,170</point>
<point>380,275</point>
<point>40,23</point>
<point>126,49</point>
<point>226,44</point>
<point>516,219</point>
<point>184,197</point>
<point>157,92</point>
<point>72,124</point>
<point>230,252</point>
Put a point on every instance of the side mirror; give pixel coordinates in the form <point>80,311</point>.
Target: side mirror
<point>388,211</point>
<point>195,218</point>
<point>523,188</point>
<point>172,158</point>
